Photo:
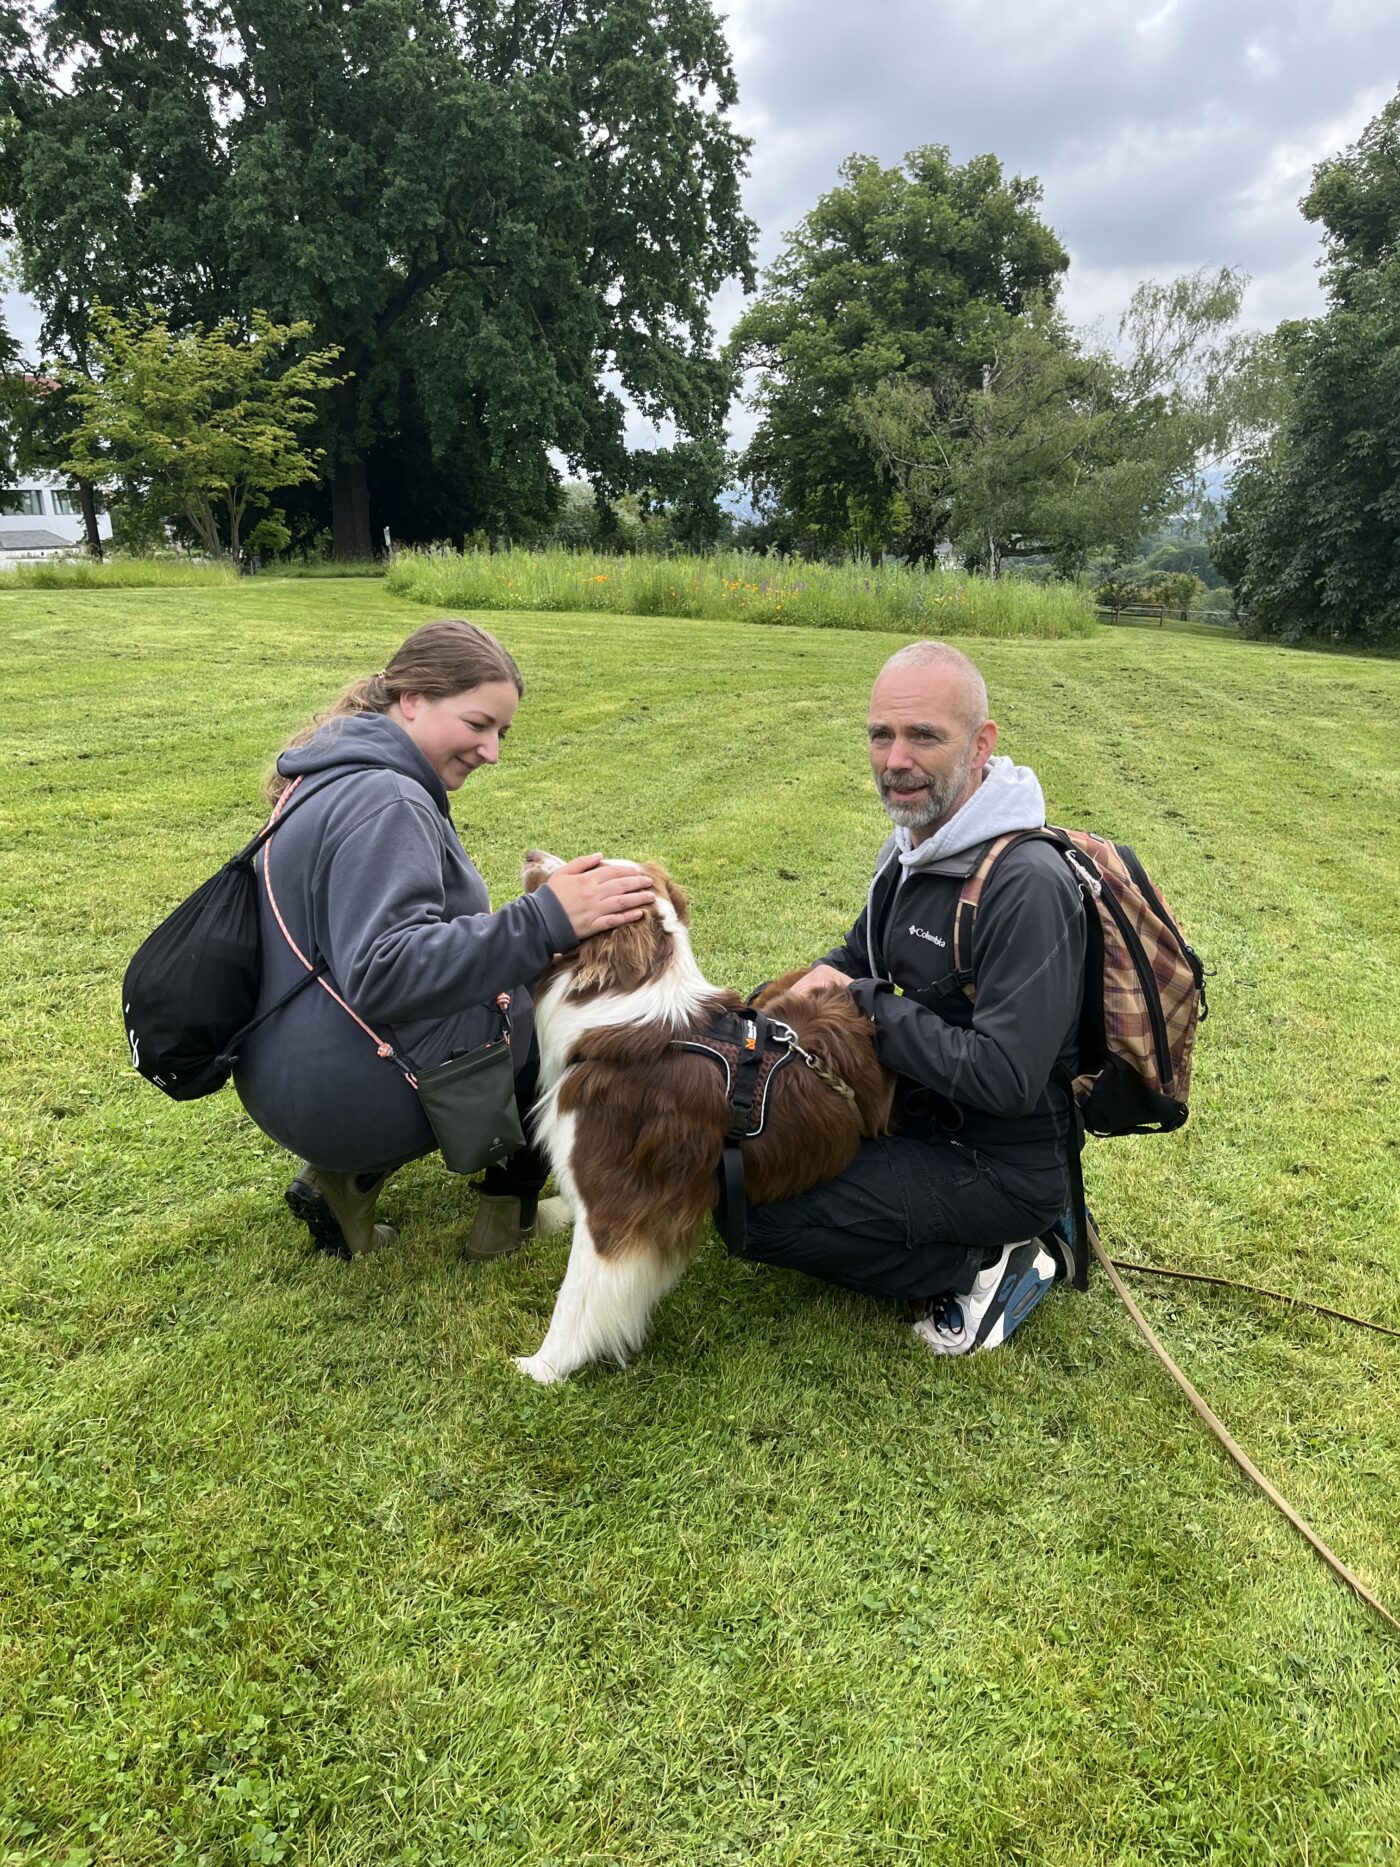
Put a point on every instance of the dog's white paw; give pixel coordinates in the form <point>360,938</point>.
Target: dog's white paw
<point>538,1369</point>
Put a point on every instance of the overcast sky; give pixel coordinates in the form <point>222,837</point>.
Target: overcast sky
<point>1168,134</point>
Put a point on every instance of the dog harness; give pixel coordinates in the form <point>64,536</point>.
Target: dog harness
<point>752,1049</point>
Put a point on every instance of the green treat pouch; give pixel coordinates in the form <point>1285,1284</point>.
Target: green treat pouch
<point>470,1103</point>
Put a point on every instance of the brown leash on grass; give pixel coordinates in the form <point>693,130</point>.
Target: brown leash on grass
<point>1259,1290</point>
<point>1237,1452</point>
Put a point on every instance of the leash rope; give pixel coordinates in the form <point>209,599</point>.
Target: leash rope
<point>1259,1290</point>
<point>823,1070</point>
<point>1235,1450</point>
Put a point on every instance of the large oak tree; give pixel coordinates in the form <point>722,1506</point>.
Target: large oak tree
<point>515,207</point>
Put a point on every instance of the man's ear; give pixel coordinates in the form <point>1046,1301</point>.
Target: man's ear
<point>984,744</point>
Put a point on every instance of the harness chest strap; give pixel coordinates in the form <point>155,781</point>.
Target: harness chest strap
<point>751,1049</point>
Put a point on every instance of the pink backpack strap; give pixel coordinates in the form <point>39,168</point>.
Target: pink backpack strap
<point>385,1050</point>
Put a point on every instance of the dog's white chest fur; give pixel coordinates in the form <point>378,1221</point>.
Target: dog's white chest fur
<point>604,1304</point>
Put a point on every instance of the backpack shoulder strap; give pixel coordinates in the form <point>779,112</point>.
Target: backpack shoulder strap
<point>970,896</point>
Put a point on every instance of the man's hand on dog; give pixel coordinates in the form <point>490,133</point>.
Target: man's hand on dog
<point>597,893</point>
<point>819,976</point>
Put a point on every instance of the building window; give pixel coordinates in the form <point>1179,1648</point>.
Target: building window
<point>30,501</point>
<point>65,504</point>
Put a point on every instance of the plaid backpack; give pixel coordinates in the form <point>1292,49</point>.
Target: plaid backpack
<point>1144,985</point>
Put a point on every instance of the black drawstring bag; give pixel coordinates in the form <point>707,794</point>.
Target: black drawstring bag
<point>190,990</point>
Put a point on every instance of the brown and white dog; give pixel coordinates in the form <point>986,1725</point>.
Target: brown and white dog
<point>634,1126</point>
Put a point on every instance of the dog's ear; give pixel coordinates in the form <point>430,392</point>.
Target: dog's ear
<point>537,868</point>
<point>673,893</point>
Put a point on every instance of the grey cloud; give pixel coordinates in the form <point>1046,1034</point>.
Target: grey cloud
<point>1168,135</point>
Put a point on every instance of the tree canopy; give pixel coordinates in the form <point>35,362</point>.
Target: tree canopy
<point>207,419</point>
<point>490,209</point>
<point>913,272</point>
<point>1065,449</point>
<point>1311,538</point>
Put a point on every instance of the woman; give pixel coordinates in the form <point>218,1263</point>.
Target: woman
<point>367,874</point>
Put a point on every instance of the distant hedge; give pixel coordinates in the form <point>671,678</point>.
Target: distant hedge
<point>738,585</point>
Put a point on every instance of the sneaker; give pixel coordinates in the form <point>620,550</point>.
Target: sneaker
<point>1059,1242</point>
<point>1001,1298</point>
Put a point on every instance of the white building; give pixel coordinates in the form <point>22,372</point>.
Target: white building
<point>43,519</point>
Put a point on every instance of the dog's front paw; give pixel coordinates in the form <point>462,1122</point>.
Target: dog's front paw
<point>538,1369</point>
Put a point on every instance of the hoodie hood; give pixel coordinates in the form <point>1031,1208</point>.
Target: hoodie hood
<point>369,741</point>
<point>1008,798</point>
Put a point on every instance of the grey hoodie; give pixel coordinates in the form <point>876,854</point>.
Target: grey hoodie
<point>370,875</point>
<point>1008,798</point>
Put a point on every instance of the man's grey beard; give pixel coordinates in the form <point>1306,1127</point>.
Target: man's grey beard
<point>926,807</point>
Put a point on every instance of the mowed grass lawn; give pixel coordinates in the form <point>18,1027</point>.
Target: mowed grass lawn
<point>297,1568</point>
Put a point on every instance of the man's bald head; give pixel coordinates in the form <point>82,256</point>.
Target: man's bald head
<point>966,687</point>
<point>930,737</point>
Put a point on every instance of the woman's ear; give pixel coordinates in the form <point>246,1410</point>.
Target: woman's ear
<point>410,705</point>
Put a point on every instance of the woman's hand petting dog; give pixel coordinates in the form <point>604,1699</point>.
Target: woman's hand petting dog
<point>597,893</point>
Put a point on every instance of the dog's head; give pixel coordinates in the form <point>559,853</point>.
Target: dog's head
<point>628,957</point>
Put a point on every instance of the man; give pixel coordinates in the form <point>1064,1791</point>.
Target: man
<point>949,1210</point>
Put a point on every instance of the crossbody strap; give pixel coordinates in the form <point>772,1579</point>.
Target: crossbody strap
<point>384,1049</point>
<point>318,971</point>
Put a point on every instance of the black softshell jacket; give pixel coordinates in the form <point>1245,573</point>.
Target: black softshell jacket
<point>983,1075</point>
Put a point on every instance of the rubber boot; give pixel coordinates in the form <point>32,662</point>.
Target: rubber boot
<point>338,1211</point>
<point>497,1229</point>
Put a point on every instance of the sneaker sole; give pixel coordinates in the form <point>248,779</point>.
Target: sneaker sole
<point>318,1219</point>
<point>1028,1292</point>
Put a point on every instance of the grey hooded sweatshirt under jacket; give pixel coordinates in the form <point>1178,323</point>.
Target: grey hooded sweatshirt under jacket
<point>369,874</point>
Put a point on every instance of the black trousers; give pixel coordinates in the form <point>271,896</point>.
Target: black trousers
<point>910,1219</point>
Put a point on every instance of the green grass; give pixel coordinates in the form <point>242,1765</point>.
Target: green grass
<point>118,573</point>
<point>294,1566</point>
<point>742,587</point>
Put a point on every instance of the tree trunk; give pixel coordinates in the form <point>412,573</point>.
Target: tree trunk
<point>201,516</point>
<point>350,536</point>
<point>87,499</point>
